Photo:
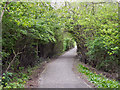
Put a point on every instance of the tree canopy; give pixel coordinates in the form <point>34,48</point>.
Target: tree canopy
<point>35,30</point>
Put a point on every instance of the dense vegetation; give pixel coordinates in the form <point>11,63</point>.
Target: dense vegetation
<point>99,80</point>
<point>95,29</point>
<point>28,30</point>
<point>32,32</point>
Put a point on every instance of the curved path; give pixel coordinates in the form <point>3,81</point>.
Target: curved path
<point>59,73</point>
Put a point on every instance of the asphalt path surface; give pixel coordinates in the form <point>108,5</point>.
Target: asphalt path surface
<point>59,73</point>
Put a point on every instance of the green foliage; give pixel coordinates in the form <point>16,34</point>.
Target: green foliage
<point>6,78</point>
<point>68,44</point>
<point>28,27</point>
<point>99,80</point>
<point>95,30</point>
<point>14,80</point>
<point>27,21</point>
<point>104,44</point>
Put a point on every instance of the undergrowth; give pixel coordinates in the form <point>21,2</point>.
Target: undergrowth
<point>98,79</point>
<point>17,79</point>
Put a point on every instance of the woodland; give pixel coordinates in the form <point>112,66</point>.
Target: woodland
<point>35,31</point>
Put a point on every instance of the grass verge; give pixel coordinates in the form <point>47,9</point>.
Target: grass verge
<point>98,80</point>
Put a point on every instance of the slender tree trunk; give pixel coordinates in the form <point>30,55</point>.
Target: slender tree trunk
<point>3,11</point>
<point>15,55</point>
<point>119,30</point>
<point>37,47</point>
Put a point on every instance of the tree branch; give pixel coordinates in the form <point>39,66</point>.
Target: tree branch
<point>12,60</point>
<point>15,55</point>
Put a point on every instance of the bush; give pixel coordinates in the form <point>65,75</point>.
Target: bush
<point>95,30</point>
<point>98,80</point>
<point>68,44</point>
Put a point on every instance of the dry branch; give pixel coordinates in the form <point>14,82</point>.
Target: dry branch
<point>15,55</point>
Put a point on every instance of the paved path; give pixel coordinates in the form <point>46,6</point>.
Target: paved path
<point>59,74</point>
